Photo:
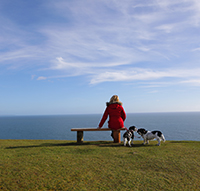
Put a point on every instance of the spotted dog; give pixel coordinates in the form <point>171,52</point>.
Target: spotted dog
<point>150,135</point>
<point>129,135</point>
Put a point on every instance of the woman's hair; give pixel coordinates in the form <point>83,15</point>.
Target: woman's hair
<point>114,98</point>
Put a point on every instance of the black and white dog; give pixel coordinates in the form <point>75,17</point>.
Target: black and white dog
<point>150,135</point>
<point>129,135</point>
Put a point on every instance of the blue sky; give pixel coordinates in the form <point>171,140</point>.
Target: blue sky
<point>71,56</point>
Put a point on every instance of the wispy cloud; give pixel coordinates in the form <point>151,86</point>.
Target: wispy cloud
<point>107,72</point>
<point>108,40</point>
<point>192,82</point>
<point>196,49</point>
<point>41,78</point>
<point>138,74</point>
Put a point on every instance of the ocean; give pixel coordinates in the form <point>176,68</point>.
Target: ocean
<point>175,126</point>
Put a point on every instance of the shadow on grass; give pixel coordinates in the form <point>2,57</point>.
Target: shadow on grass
<point>48,145</point>
<point>97,143</point>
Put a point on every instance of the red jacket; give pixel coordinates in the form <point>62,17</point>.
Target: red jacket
<point>116,115</point>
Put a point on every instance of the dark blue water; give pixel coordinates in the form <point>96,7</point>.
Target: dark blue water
<point>175,126</point>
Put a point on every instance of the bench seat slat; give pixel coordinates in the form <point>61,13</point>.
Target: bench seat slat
<point>94,129</point>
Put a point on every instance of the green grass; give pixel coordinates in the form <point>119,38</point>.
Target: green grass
<point>103,165</point>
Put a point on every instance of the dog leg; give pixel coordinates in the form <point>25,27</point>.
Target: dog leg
<point>145,140</point>
<point>125,141</point>
<point>129,143</point>
<point>132,142</point>
<point>158,142</point>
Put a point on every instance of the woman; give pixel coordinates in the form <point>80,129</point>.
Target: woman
<point>116,114</point>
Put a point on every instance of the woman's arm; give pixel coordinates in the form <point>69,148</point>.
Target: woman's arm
<point>123,114</point>
<point>105,116</point>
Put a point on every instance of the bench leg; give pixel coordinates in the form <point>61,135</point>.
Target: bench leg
<point>116,136</point>
<point>79,136</point>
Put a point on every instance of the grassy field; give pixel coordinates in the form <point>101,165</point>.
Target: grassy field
<point>103,165</point>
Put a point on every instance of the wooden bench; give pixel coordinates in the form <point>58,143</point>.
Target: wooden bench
<point>116,133</point>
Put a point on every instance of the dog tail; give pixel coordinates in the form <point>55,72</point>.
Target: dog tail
<point>163,138</point>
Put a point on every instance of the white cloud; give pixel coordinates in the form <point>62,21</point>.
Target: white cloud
<point>13,55</point>
<point>110,41</point>
<point>193,82</point>
<point>61,64</point>
<point>168,28</point>
<point>141,74</point>
<point>196,49</point>
<point>41,78</point>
